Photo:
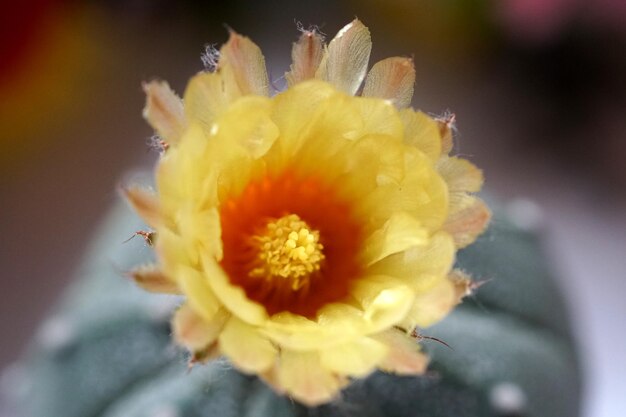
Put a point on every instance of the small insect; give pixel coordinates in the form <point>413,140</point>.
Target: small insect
<point>148,237</point>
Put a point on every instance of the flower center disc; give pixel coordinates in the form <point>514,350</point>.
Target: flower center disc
<point>291,244</point>
<point>288,249</point>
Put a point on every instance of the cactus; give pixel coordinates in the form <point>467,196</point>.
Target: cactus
<point>106,350</point>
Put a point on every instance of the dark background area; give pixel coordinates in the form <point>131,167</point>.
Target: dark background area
<point>538,87</point>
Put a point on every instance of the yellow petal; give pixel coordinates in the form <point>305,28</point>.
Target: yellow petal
<point>194,331</point>
<point>301,375</point>
<point>205,99</point>
<point>146,204</point>
<point>379,117</point>
<point>420,267</point>
<point>164,111</point>
<point>247,123</point>
<point>468,221</point>
<point>356,358</point>
<point>336,323</point>
<point>422,132</point>
<point>306,56</point>
<point>246,347</point>
<point>234,298</point>
<point>199,294</point>
<point>385,301</point>
<point>460,174</point>
<point>401,232</point>
<point>242,65</point>
<point>431,306</point>
<point>293,112</point>
<point>421,193</point>
<point>391,79</point>
<point>344,63</point>
<point>404,356</point>
<point>171,252</point>
<point>151,278</point>
<point>202,231</point>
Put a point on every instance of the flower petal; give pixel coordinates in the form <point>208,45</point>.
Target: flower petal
<point>391,79</point>
<point>246,347</point>
<point>306,56</point>
<point>357,358</point>
<point>145,202</point>
<point>242,65</point>
<point>301,375</point>
<point>404,356</point>
<point>234,298</point>
<point>195,332</point>
<point>199,295</point>
<point>421,193</point>
<point>151,278</point>
<point>433,305</point>
<point>385,301</point>
<point>164,111</point>
<point>446,126</point>
<point>247,123</point>
<point>468,221</point>
<point>205,99</point>
<point>422,132</point>
<point>344,63</point>
<point>401,232</point>
<point>460,174</point>
<point>420,267</point>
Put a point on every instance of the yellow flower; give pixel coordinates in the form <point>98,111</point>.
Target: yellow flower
<point>313,231</point>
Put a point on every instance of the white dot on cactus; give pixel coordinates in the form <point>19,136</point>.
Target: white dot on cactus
<point>165,411</point>
<point>507,398</point>
<point>525,214</point>
<point>56,333</point>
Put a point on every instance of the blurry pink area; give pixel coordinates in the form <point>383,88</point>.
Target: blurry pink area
<point>536,20</point>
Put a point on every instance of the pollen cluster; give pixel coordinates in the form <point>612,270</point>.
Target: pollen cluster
<point>288,248</point>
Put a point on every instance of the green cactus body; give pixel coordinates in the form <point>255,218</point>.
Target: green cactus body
<point>106,351</point>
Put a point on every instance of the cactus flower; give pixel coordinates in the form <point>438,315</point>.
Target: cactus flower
<point>310,232</point>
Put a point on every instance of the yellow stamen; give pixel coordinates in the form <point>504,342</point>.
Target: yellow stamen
<point>288,248</point>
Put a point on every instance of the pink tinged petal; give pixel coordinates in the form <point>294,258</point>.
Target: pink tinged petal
<point>469,221</point>
<point>392,79</point>
<point>433,305</point>
<point>194,331</point>
<point>246,347</point>
<point>404,356</point>
<point>242,65</point>
<point>463,284</point>
<point>460,174</point>
<point>356,358</point>
<point>446,127</point>
<point>145,202</point>
<point>306,56</point>
<point>345,60</point>
<point>302,376</point>
<point>151,278</point>
<point>164,110</point>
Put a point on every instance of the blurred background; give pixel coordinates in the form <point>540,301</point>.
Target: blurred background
<point>538,87</point>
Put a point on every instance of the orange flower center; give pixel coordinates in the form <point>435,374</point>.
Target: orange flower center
<point>291,244</point>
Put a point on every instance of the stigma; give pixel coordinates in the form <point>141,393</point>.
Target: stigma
<point>287,248</point>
